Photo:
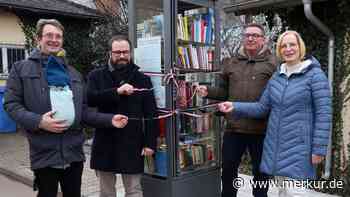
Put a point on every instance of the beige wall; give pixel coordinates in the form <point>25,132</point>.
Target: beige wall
<point>2,82</point>
<point>10,31</point>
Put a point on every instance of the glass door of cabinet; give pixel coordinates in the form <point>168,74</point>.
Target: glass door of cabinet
<point>197,126</point>
<point>147,28</point>
<point>149,20</point>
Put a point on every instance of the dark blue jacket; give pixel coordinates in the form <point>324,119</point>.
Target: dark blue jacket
<point>27,98</point>
<point>299,122</point>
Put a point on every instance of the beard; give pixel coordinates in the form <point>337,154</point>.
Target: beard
<point>120,63</point>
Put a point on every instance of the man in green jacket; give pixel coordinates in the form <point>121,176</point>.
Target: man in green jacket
<point>244,77</point>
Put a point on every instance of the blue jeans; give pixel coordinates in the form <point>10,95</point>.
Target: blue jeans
<point>234,146</point>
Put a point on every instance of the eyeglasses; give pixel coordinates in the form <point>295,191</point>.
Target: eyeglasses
<point>52,36</point>
<point>119,53</point>
<point>255,36</point>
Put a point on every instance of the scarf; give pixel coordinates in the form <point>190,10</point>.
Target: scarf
<point>56,70</point>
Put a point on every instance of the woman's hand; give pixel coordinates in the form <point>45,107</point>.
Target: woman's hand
<point>316,159</point>
<point>225,107</point>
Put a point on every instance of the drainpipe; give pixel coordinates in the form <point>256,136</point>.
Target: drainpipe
<point>325,30</point>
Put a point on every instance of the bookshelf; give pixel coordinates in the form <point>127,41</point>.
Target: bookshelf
<point>175,44</point>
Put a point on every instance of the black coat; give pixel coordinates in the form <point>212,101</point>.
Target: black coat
<point>119,150</point>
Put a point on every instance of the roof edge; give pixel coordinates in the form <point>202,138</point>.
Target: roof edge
<point>81,6</point>
<point>254,5</point>
<point>94,15</point>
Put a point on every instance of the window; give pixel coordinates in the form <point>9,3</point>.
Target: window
<point>14,55</point>
<point>9,54</point>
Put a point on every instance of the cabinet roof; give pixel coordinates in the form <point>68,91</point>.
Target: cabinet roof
<point>243,6</point>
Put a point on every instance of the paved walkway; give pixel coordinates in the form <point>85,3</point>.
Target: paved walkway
<point>14,162</point>
<point>12,188</point>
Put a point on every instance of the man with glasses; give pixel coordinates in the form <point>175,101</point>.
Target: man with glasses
<point>45,95</point>
<point>244,78</point>
<point>119,87</point>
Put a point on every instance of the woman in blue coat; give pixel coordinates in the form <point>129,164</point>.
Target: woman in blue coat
<point>298,101</point>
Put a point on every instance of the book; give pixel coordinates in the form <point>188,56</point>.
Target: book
<point>196,25</point>
<point>149,166</point>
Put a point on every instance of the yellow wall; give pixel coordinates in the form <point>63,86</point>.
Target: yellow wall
<point>10,31</point>
<point>2,82</point>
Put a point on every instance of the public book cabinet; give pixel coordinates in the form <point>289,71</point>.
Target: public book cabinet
<point>176,43</point>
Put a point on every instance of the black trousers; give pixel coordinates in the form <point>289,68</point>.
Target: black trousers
<point>46,180</point>
<point>234,146</point>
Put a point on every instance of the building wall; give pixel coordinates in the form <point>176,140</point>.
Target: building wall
<point>108,6</point>
<point>10,31</point>
<point>11,36</point>
<point>346,127</point>
<point>346,107</point>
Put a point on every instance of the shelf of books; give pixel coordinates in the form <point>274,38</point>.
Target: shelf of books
<point>197,141</point>
<point>175,44</point>
<point>195,36</point>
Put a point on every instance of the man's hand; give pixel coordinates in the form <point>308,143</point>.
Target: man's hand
<point>316,159</point>
<point>147,152</point>
<point>50,124</point>
<point>202,90</point>
<point>225,107</point>
<point>125,89</point>
<point>119,121</point>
